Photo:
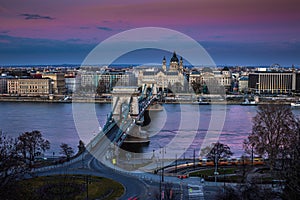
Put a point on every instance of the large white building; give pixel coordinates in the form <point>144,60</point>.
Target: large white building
<point>172,78</point>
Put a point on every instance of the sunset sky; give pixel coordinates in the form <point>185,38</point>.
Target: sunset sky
<point>234,32</point>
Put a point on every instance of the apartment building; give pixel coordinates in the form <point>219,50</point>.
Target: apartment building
<point>29,86</point>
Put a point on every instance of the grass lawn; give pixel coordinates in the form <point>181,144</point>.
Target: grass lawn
<point>230,175</point>
<point>210,172</point>
<point>69,187</point>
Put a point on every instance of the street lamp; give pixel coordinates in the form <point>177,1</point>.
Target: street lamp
<point>194,159</point>
<point>252,158</point>
<point>216,168</point>
<point>162,151</point>
<point>176,163</point>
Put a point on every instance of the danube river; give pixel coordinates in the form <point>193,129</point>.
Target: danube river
<point>56,122</point>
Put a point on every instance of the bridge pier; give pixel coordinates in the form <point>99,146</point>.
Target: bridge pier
<point>137,136</point>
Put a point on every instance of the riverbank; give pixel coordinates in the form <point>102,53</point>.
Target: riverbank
<point>228,100</point>
<point>55,100</point>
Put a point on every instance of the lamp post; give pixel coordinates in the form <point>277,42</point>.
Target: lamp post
<point>252,158</point>
<point>153,156</point>
<point>176,164</point>
<point>162,151</point>
<point>194,159</point>
<point>216,168</point>
<point>224,179</point>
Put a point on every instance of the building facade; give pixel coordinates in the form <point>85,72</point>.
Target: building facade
<point>29,87</point>
<point>107,79</point>
<point>3,83</point>
<point>71,84</point>
<point>217,80</point>
<point>243,84</point>
<point>264,82</point>
<point>58,82</point>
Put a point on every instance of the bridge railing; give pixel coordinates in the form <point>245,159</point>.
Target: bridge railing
<point>99,136</point>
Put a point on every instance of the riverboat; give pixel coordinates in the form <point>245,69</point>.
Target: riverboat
<point>249,103</point>
<point>295,104</point>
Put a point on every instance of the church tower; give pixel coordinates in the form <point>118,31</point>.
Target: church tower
<point>181,64</point>
<point>164,64</point>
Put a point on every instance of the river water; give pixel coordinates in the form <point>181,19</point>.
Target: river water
<point>182,129</point>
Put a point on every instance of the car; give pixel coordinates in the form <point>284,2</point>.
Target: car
<point>183,176</point>
<point>133,198</point>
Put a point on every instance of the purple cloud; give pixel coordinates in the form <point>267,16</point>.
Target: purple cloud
<point>104,28</point>
<point>35,16</point>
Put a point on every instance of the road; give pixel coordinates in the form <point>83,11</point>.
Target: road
<point>94,162</point>
<point>133,185</point>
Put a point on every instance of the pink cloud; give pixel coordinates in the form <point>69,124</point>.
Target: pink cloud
<point>233,19</point>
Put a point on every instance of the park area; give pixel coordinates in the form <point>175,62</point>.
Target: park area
<point>67,187</point>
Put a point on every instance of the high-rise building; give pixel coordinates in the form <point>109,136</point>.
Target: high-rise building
<point>272,82</point>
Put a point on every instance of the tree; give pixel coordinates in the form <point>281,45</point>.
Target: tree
<point>81,147</point>
<point>101,88</point>
<point>272,133</point>
<point>66,150</point>
<point>12,166</point>
<point>249,191</point>
<point>216,151</point>
<point>196,86</point>
<point>291,171</point>
<point>32,144</point>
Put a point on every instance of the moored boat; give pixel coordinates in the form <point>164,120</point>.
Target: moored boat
<point>201,102</point>
<point>295,104</point>
<point>249,103</point>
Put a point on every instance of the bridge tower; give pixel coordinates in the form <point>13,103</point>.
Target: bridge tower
<point>125,100</point>
<point>152,85</point>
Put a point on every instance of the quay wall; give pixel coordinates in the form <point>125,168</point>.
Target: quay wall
<point>231,100</point>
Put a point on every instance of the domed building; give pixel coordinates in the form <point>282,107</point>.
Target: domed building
<point>164,77</point>
<point>175,64</point>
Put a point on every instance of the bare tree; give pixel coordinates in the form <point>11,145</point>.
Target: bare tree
<point>32,144</point>
<point>291,171</point>
<point>66,150</point>
<point>249,191</point>
<point>216,151</point>
<point>272,133</point>
<point>12,166</point>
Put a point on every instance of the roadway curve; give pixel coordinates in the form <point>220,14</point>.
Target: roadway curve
<point>133,186</point>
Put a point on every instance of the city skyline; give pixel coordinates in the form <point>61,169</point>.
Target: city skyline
<point>232,32</point>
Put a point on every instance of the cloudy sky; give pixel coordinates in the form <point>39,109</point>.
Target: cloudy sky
<point>237,32</point>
